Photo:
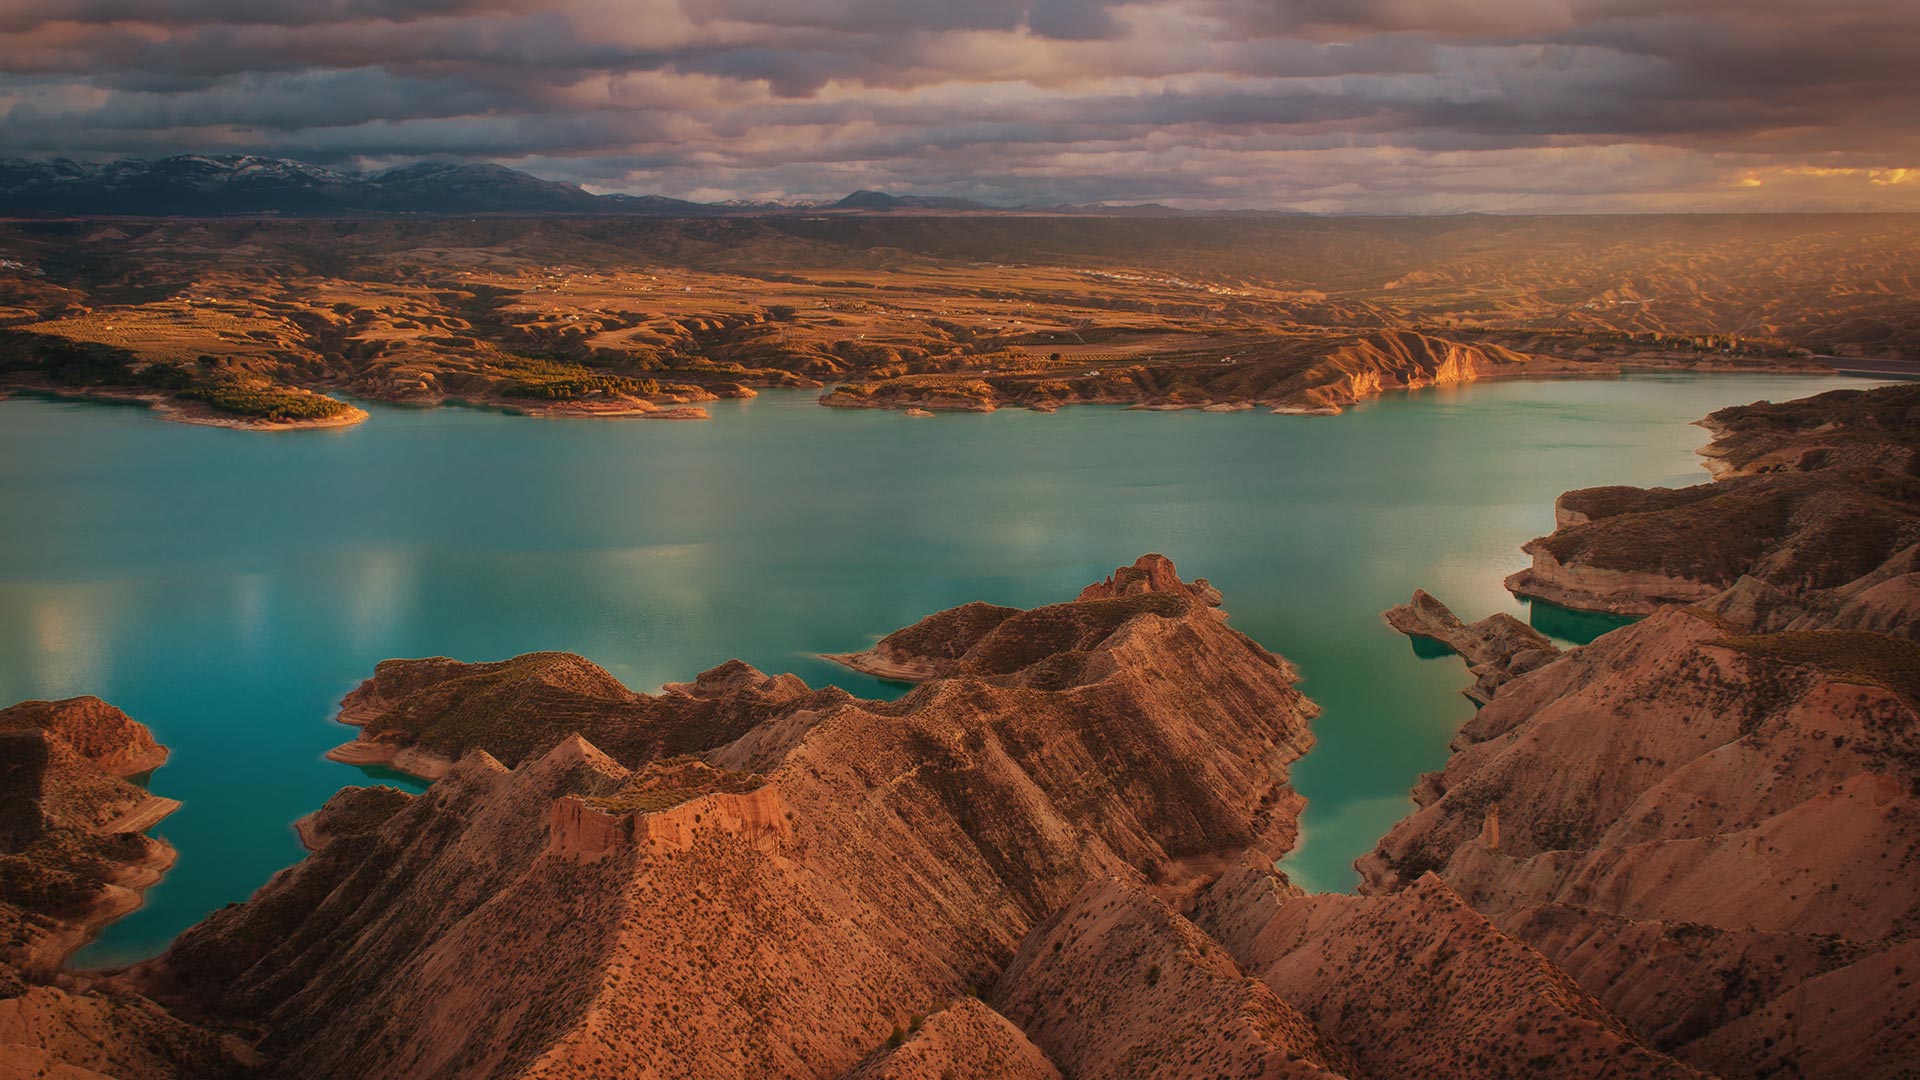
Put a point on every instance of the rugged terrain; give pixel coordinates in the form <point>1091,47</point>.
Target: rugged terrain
<point>269,323</point>
<point>1813,522</point>
<point>73,856</point>
<point>1707,818</point>
<point>757,879</point>
<point>1054,858</point>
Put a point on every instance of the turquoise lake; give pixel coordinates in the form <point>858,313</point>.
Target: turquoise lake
<point>227,588</point>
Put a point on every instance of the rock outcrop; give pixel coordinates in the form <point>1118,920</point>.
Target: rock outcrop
<point>989,640</point>
<point>1151,574</point>
<point>1417,983</point>
<point>420,716</point>
<point>771,899</point>
<point>96,730</point>
<point>963,1041</point>
<point>73,857</point>
<point>1496,648</point>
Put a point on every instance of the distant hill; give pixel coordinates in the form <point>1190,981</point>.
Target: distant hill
<point>195,185</point>
<point>880,200</point>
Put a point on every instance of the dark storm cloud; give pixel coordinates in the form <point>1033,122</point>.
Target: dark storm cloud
<point>1325,104</point>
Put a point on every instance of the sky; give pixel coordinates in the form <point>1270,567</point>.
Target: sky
<point>1388,106</point>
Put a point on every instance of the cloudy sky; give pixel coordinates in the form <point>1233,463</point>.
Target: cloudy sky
<point>1325,105</point>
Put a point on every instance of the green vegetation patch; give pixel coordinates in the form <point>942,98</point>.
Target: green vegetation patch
<point>84,364</point>
<point>265,401</point>
<point>557,380</point>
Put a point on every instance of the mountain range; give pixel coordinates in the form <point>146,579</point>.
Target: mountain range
<point>194,185</point>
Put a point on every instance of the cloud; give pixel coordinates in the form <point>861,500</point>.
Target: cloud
<point>1320,104</point>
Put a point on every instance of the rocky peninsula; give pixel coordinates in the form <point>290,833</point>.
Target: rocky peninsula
<point>1052,858</point>
<point>1707,818</point>
<point>1813,522</point>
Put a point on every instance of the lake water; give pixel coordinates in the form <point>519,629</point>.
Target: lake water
<point>227,588</point>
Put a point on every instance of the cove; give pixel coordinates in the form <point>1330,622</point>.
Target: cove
<point>226,588</point>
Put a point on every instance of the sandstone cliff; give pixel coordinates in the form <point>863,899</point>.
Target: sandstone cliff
<point>1310,375</point>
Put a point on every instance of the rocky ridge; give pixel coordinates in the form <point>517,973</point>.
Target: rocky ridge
<point>74,856</point>
<point>1053,857</point>
<point>1814,521</point>
<point>1707,818</point>
<point>897,852</point>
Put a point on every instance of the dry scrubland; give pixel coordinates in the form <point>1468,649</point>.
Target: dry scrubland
<point>243,322</point>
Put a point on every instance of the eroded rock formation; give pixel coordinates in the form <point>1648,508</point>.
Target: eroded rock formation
<point>1816,519</point>
<point>73,856</point>
<point>1715,830</point>
<point>771,897</point>
<point>1496,648</point>
<point>1698,824</point>
<point>1686,849</point>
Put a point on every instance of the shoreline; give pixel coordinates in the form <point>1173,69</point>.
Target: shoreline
<point>1581,586</point>
<point>123,893</point>
<point>940,403</point>
<point>870,662</point>
<point>419,764</point>
<point>357,710</point>
<point>166,407</point>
